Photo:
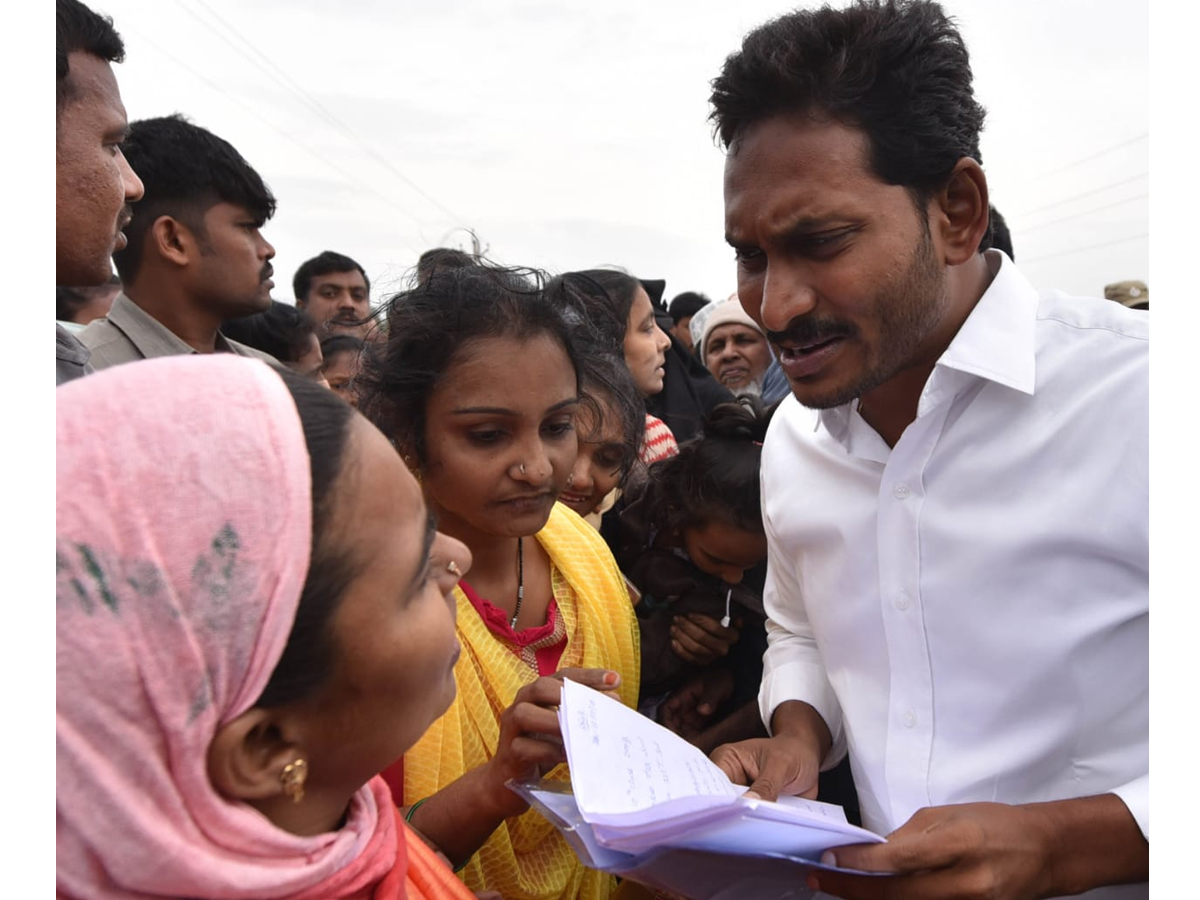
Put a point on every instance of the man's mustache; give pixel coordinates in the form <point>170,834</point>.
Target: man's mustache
<point>804,330</point>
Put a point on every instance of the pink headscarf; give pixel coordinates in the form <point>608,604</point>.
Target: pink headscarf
<point>184,526</point>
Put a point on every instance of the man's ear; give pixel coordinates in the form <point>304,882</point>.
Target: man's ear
<point>959,218</point>
<point>301,303</point>
<point>247,756</point>
<point>173,241</point>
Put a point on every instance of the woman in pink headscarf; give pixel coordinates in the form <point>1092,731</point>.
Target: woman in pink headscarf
<point>252,622</point>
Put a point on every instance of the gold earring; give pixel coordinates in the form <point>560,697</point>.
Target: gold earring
<point>293,777</point>
<point>453,569</point>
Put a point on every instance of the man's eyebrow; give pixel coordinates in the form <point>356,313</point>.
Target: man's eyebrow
<point>120,133</point>
<point>800,226</point>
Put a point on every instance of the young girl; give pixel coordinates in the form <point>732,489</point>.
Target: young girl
<point>610,429</point>
<point>621,316</point>
<point>691,540</point>
<point>479,386</point>
<point>342,362</point>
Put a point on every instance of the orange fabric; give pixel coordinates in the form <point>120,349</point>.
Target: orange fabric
<point>428,877</point>
<point>419,873</point>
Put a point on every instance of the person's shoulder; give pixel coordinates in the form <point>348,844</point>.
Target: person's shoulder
<point>100,332</point>
<point>1092,318</point>
<point>108,344</point>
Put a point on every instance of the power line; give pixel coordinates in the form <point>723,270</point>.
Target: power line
<point>1132,237</point>
<point>290,84</point>
<point>1085,212</point>
<point>372,190</point>
<point>1096,155</point>
<point>1088,193</point>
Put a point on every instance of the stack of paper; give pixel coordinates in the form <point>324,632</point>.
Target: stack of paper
<point>642,788</point>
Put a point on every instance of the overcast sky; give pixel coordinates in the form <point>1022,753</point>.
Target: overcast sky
<point>569,135</point>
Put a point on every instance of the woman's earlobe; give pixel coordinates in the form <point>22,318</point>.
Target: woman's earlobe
<point>249,757</point>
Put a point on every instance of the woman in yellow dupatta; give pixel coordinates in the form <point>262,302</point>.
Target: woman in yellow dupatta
<point>479,386</point>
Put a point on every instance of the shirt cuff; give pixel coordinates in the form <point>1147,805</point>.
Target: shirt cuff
<point>798,681</point>
<point>1136,795</point>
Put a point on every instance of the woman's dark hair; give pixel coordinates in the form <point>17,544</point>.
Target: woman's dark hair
<point>604,298</point>
<point>715,475</point>
<point>897,69</point>
<point>342,343</point>
<point>307,659</point>
<point>281,330</point>
<point>605,381</point>
<point>435,323</point>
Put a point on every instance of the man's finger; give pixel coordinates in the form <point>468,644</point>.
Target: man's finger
<point>737,768</point>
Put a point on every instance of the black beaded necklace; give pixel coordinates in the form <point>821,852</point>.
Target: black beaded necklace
<point>520,582</point>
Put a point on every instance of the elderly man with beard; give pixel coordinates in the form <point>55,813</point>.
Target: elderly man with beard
<point>958,525</point>
<point>195,257</point>
<point>734,348</point>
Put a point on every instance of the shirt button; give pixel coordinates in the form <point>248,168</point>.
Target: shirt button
<point>900,491</point>
<point>910,719</point>
<point>901,601</point>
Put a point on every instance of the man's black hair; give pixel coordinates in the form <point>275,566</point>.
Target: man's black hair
<point>186,171</point>
<point>896,69</point>
<point>324,263</point>
<point>686,304</point>
<point>78,28</point>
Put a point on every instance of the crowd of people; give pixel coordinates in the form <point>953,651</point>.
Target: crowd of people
<point>322,566</point>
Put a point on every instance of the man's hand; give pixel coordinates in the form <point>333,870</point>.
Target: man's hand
<point>771,766</point>
<point>530,742</point>
<point>787,763</point>
<point>689,708</point>
<point>996,851</point>
<point>699,639</point>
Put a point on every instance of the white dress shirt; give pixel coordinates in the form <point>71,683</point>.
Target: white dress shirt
<point>969,610</point>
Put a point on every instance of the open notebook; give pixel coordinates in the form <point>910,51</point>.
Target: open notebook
<point>646,803</point>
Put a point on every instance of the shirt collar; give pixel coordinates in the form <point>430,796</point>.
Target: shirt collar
<point>996,343</point>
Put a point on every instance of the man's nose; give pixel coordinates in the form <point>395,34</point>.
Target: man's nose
<point>786,295</point>
<point>134,189</point>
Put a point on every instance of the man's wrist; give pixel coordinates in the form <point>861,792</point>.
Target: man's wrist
<point>799,722</point>
<point>1089,842</point>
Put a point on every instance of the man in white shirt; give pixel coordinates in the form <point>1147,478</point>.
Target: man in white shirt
<point>958,537</point>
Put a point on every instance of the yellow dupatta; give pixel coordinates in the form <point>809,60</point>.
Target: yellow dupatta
<point>526,858</point>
